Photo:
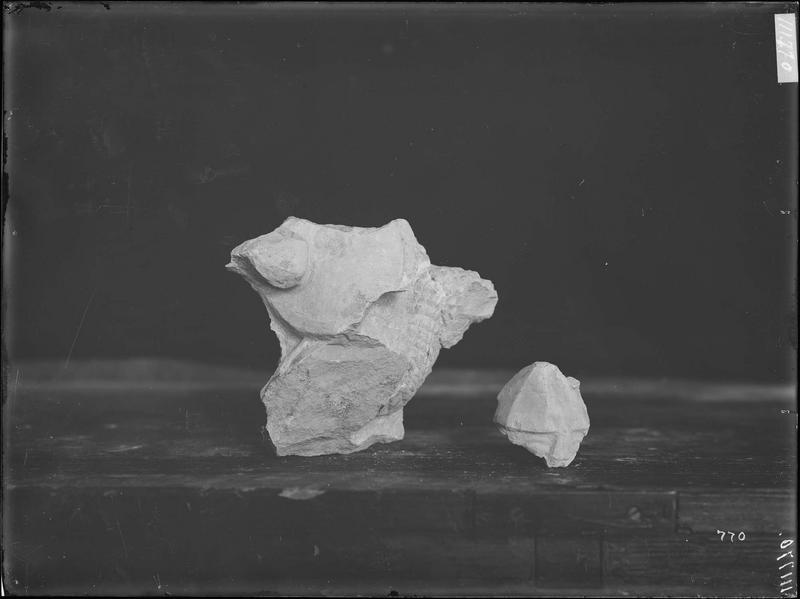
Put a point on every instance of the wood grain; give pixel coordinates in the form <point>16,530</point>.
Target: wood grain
<point>120,491</point>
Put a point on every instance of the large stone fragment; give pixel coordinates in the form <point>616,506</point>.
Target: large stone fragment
<point>360,314</point>
<point>542,410</point>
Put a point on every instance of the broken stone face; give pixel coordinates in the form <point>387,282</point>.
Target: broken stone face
<point>360,314</point>
<point>542,410</point>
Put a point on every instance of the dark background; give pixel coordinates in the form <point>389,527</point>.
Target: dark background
<point>625,175</point>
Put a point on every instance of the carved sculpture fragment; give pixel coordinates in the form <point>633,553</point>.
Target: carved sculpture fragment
<point>360,314</point>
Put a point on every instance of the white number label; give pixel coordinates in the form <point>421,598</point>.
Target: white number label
<point>732,534</point>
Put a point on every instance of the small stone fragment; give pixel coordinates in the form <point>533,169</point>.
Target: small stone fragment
<point>542,410</point>
<point>360,314</point>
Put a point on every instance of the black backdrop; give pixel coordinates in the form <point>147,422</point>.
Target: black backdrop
<point>625,175</point>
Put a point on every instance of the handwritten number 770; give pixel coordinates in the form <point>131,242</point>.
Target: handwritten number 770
<point>741,536</point>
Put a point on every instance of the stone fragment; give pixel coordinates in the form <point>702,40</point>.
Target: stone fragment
<point>360,314</point>
<point>542,410</point>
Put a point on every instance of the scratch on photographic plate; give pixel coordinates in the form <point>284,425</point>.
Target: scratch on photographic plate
<point>80,326</point>
<point>122,538</point>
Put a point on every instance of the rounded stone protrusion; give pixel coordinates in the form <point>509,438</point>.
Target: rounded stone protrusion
<point>280,257</point>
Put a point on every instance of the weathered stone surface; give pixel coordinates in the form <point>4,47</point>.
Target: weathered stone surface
<point>360,314</point>
<point>542,410</point>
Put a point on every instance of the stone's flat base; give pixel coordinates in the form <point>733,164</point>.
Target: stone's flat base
<point>539,444</point>
<point>382,429</point>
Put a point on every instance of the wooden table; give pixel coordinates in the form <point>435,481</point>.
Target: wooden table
<point>153,485</point>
